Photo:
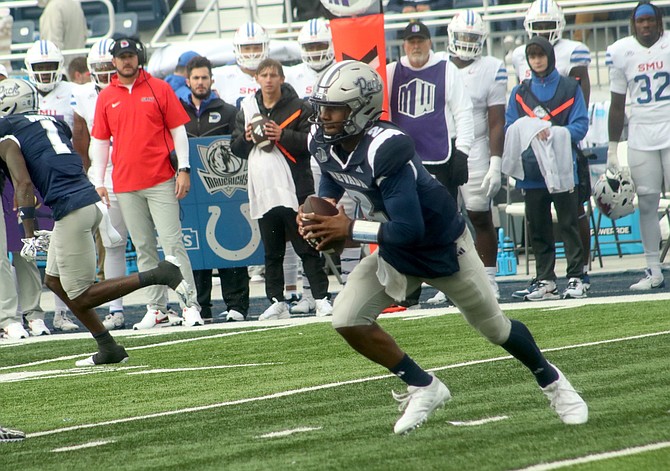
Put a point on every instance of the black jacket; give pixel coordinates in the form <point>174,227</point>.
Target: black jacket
<point>216,118</point>
<point>293,138</point>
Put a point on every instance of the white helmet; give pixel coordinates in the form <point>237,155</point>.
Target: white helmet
<point>545,17</point>
<point>17,96</point>
<point>317,33</point>
<point>614,195</point>
<point>99,62</point>
<point>467,33</point>
<point>44,52</point>
<point>250,34</point>
<point>353,84</point>
<point>347,7</point>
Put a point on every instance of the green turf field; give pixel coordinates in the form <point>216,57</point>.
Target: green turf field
<point>296,397</point>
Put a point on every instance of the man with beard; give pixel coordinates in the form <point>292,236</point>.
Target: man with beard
<point>146,120</point>
<point>211,116</point>
<point>639,64</point>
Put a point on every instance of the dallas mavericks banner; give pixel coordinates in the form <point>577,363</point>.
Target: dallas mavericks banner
<point>218,231</point>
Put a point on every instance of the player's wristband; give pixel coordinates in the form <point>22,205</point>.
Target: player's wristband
<point>26,212</point>
<point>365,231</point>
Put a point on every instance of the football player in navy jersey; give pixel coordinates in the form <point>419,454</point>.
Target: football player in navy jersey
<point>421,237</point>
<point>36,150</point>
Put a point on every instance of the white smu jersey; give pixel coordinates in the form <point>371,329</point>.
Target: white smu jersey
<point>84,99</point>
<point>485,80</point>
<point>645,74</point>
<point>569,54</point>
<point>303,79</point>
<point>233,85</point>
<point>58,103</point>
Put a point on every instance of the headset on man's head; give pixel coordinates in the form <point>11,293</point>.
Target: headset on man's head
<point>133,43</point>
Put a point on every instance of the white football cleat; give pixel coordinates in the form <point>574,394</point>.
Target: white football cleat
<point>567,403</point>
<point>114,320</point>
<point>38,327</point>
<point>15,331</point>
<point>323,308</point>
<point>117,356</point>
<point>648,282</point>
<point>192,317</point>
<point>439,298</point>
<point>233,316</point>
<point>418,403</point>
<point>157,318</point>
<point>10,435</point>
<point>304,306</point>
<point>278,310</point>
<point>63,322</point>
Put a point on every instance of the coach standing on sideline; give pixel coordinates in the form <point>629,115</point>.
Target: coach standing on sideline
<point>146,120</point>
<point>211,116</point>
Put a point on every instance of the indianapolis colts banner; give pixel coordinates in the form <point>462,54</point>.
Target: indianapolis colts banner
<point>361,38</point>
<point>217,228</point>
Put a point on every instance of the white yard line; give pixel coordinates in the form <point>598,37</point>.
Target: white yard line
<point>143,347</point>
<point>199,368</point>
<point>286,433</point>
<point>82,446</point>
<point>598,457</point>
<point>293,392</point>
<point>474,423</point>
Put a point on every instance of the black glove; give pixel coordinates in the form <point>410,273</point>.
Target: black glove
<point>458,168</point>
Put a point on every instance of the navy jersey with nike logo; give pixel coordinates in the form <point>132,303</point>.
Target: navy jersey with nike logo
<point>55,168</point>
<point>385,176</point>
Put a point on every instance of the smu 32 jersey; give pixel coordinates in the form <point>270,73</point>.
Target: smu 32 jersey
<point>233,85</point>
<point>645,73</point>
<point>419,229</point>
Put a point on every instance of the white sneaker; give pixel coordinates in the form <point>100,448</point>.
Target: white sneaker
<point>114,320</point>
<point>10,435</point>
<point>304,306</point>
<point>157,318</point>
<point>63,322</point>
<point>15,331</point>
<point>439,298</point>
<point>418,403</point>
<point>323,308</point>
<point>192,317</point>
<point>648,282</point>
<point>574,290</point>
<point>569,405</point>
<point>278,310</point>
<point>234,316</point>
<point>38,327</point>
<point>543,290</point>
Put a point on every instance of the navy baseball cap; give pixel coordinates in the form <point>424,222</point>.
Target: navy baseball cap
<point>416,29</point>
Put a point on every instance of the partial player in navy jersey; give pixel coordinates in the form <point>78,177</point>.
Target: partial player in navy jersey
<point>36,151</point>
<point>421,238</point>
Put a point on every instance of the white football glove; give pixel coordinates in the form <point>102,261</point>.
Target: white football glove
<point>32,245</point>
<point>492,180</point>
<point>613,157</point>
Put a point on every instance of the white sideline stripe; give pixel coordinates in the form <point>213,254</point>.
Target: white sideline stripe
<point>598,457</point>
<point>199,368</point>
<point>83,445</point>
<point>142,347</point>
<point>312,388</point>
<point>472,423</point>
<point>286,433</point>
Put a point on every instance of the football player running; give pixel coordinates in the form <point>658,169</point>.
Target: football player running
<point>36,151</point>
<point>84,98</point>
<point>421,237</point>
<point>640,65</point>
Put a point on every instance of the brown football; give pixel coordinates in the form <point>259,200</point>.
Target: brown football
<point>322,207</point>
<point>257,122</point>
